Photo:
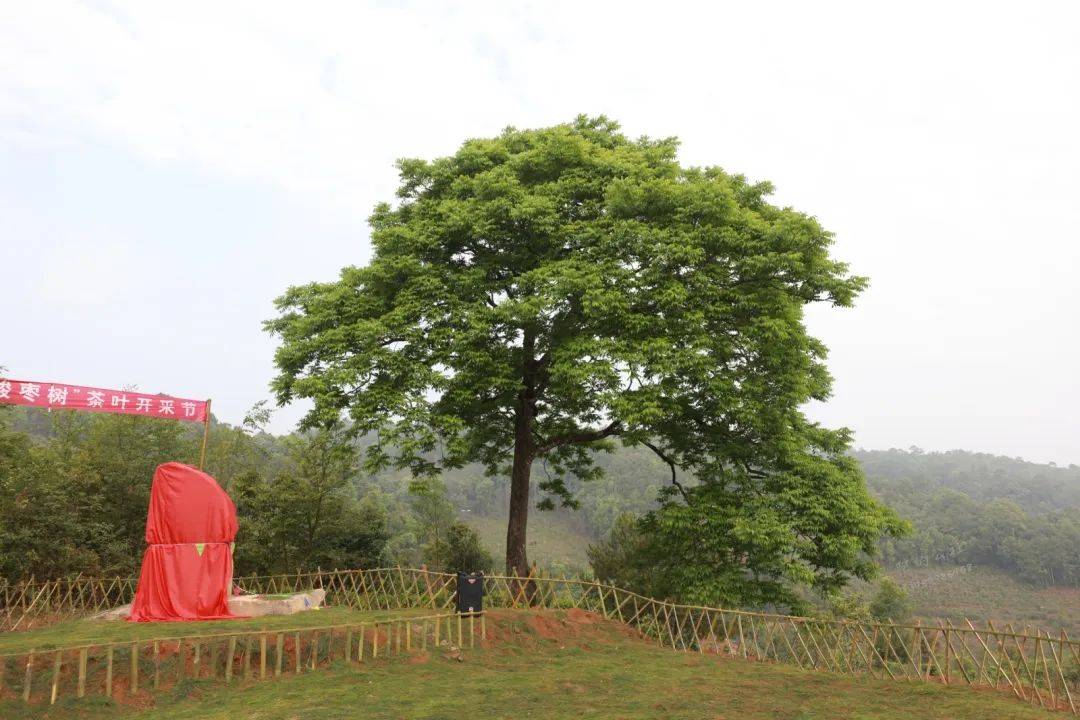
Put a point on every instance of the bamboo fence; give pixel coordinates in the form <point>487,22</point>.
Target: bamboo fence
<point>135,668</point>
<point>1034,666</point>
<point>32,604</point>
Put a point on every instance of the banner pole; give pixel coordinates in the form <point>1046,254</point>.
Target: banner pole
<point>205,435</point>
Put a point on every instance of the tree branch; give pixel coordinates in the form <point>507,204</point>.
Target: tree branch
<point>671,464</point>
<point>581,436</point>
<point>752,473</point>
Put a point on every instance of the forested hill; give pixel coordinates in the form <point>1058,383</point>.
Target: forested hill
<point>74,488</point>
<point>1035,488</point>
<point>980,509</point>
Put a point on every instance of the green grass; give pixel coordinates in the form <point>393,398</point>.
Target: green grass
<point>947,593</point>
<point>83,632</point>
<point>540,668</point>
<point>554,542</point>
<point>982,594</point>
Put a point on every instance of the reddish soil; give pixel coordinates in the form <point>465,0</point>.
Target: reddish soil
<point>546,626</point>
<point>582,617</point>
<point>567,627</point>
<point>418,658</point>
<point>122,695</point>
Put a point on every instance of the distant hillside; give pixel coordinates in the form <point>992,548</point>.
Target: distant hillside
<point>981,476</point>
<point>973,508</point>
<point>984,594</point>
<point>1004,513</point>
<point>555,544</point>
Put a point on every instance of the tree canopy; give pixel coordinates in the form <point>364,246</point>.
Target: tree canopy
<point>539,294</point>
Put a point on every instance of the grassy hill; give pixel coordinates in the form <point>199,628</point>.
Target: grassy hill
<point>982,594</point>
<point>948,592</point>
<point>555,542</point>
<point>554,665</point>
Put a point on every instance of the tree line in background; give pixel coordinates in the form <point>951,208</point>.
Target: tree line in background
<point>979,509</point>
<point>964,508</point>
<point>74,490</point>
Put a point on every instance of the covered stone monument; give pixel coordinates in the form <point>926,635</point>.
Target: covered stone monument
<point>188,564</point>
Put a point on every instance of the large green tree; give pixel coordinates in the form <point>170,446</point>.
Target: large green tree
<point>539,294</point>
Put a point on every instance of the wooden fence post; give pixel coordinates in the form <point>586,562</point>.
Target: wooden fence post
<point>82,672</point>
<point>133,681</point>
<point>214,654</point>
<point>948,654</point>
<point>57,661</point>
<point>230,654</point>
<point>108,672</point>
<point>28,679</point>
<point>179,660</point>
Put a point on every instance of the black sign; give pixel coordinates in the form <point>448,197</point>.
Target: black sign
<point>470,593</point>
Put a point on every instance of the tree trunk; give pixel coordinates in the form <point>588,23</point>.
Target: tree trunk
<point>517,563</point>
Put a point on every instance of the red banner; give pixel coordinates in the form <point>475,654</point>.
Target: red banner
<point>76,397</point>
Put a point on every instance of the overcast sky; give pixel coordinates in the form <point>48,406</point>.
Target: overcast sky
<point>167,170</point>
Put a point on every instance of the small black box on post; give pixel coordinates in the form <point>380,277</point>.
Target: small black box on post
<point>470,593</point>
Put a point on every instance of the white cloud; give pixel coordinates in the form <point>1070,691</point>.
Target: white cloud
<point>937,140</point>
<point>78,276</point>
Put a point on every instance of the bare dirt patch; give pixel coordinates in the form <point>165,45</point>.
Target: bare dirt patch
<point>582,617</point>
<point>418,658</point>
<point>545,626</point>
<point>573,627</point>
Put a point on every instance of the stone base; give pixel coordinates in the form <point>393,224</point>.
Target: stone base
<point>260,605</point>
<point>248,605</point>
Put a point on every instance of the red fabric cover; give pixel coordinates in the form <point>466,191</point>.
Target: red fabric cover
<point>187,507</point>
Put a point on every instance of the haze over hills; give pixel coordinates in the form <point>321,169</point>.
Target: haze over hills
<point>993,537</point>
<point>967,508</point>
